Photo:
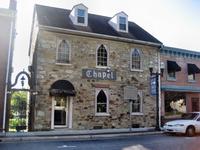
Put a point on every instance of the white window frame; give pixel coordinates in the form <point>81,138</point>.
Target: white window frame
<point>194,77</point>
<point>58,43</point>
<point>118,22</point>
<point>74,15</point>
<point>131,60</point>
<point>120,17</point>
<point>141,105</point>
<point>171,78</point>
<point>106,91</point>
<point>84,16</point>
<point>108,55</point>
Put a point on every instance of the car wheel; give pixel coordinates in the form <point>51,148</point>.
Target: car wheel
<point>190,131</point>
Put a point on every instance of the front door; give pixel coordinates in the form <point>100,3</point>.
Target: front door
<point>60,112</point>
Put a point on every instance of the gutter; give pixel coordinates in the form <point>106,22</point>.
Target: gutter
<point>89,34</point>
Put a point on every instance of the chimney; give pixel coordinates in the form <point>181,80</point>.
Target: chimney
<point>13,5</point>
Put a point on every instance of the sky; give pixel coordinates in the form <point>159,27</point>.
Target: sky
<point>175,23</point>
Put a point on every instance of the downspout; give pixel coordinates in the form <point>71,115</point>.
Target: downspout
<point>7,73</point>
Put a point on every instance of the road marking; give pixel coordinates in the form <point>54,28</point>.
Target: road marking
<point>66,146</point>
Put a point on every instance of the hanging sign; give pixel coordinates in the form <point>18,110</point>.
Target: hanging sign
<point>153,85</point>
<point>130,93</point>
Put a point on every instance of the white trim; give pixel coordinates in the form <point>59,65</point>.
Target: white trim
<point>70,111</point>
<point>102,114</point>
<point>52,113</point>
<point>137,113</point>
<point>74,15</point>
<point>141,60</point>
<point>106,91</point>
<point>59,40</point>
<point>63,64</point>
<point>108,55</point>
<point>68,108</point>
<point>118,23</point>
<point>141,104</point>
<point>89,34</point>
<point>137,70</point>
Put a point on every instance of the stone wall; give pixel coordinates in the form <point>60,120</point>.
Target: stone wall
<point>83,55</point>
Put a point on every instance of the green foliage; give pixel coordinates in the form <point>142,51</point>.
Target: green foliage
<point>18,109</point>
<point>18,104</point>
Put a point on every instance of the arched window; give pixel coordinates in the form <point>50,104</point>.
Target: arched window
<point>135,59</point>
<point>102,56</point>
<point>101,102</point>
<point>63,52</point>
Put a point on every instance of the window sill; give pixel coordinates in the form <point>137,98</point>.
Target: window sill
<point>191,81</point>
<point>63,64</point>
<point>102,67</point>
<point>137,114</point>
<point>102,114</point>
<point>171,79</point>
<point>137,70</point>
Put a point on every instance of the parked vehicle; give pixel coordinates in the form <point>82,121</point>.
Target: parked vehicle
<point>189,124</point>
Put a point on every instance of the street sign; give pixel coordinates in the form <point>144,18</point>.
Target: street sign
<point>130,93</point>
<point>153,85</point>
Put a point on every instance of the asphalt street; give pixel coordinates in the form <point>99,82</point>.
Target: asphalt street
<point>143,142</point>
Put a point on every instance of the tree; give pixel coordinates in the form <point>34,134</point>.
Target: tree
<point>18,109</point>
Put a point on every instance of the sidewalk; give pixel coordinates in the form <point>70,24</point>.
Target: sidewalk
<point>67,134</point>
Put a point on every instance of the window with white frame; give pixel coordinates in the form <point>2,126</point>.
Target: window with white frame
<point>63,52</point>
<point>81,16</point>
<point>122,23</point>
<point>136,105</point>
<point>102,56</point>
<point>101,101</point>
<point>135,60</point>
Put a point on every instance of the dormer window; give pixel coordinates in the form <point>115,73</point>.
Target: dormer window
<point>122,23</point>
<point>79,15</point>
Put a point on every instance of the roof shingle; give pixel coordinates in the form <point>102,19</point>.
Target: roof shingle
<point>57,17</point>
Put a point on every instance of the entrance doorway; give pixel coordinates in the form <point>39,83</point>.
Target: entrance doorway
<point>62,93</point>
<point>61,112</point>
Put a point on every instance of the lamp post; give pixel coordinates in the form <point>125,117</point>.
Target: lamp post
<point>157,74</point>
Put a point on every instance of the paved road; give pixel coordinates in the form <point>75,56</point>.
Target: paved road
<point>144,142</point>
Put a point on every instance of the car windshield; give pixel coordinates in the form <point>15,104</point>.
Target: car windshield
<point>189,116</point>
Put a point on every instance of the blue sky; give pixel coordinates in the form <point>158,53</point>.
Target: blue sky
<point>176,23</point>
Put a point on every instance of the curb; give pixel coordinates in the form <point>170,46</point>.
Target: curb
<point>77,137</point>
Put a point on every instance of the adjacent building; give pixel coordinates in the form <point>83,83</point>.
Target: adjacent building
<point>180,85</point>
<point>7,35</point>
<point>81,66</point>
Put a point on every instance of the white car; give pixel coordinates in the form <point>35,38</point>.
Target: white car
<point>189,124</point>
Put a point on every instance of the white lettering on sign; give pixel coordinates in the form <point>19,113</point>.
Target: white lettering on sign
<point>99,74</point>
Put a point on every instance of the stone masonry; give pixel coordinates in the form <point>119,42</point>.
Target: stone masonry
<point>83,56</point>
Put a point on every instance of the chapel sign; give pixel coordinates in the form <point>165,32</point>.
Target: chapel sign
<point>99,74</point>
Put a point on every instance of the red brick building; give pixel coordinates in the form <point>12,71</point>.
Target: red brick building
<point>180,84</point>
<point>7,30</point>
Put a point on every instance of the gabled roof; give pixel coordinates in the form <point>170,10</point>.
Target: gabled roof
<point>59,18</point>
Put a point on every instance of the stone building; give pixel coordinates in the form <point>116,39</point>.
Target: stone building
<point>81,64</point>
<point>180,83</point>
<point>7,35</point>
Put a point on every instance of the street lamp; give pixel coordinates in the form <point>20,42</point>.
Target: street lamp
<point>156,75</point>
<point>22,81</point>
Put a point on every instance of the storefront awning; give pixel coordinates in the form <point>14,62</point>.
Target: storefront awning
<point>192,69</point>
<point>62,88</point>
<point>173,66</point>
